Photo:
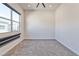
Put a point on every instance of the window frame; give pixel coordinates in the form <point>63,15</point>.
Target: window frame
<point>11,15</point>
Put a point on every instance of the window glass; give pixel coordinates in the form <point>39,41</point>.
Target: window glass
<point>5,11</point>
<point>15,16</point>
<point>9,21</point>
<point>5,25</point>
<point>15,27</point>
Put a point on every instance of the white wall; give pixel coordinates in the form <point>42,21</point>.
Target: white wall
<point>40,25</point>
<point>9,46</point>
<point>67,26</point>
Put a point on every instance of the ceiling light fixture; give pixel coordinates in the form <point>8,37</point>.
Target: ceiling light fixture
<point>42,4</point>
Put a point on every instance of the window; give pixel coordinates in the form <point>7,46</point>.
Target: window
<point>15,20</point>
<point>9,19</point>
<point>5,11</point>
<point>5,25</point>
<point>15,27</point>
<point>15,16</point>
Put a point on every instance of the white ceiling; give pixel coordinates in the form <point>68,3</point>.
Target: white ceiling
<point>32,6</point>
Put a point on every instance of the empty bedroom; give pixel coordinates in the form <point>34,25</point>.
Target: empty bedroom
<point>39,29</point>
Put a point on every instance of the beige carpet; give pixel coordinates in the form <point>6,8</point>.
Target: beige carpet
<point>41,48</point>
